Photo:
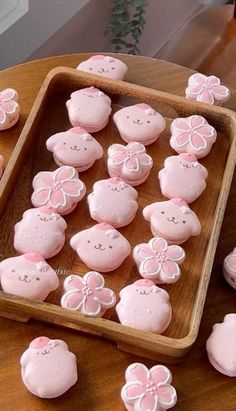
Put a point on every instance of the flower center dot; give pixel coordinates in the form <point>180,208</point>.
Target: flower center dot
<point>160,257</point>
<point>56,185</point>
<point>87,291</point>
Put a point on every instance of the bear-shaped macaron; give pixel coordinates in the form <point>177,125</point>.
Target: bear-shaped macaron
<point>105,66</point>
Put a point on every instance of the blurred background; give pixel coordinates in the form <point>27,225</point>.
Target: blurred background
<point>200,34</point>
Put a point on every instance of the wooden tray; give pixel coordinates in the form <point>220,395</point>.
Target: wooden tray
<point>187,296</point>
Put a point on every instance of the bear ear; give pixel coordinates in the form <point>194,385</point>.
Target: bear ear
<point>148,210</point>
<point>25,358</point>
<point>51,141</point>
<point>196,225</point>
<point>76,239</point>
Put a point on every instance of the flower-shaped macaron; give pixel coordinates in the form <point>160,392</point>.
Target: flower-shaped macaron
<point>87,294</point>
<point>9,108</point>
<point>159,262</point>
<point>130,162</point>
<point>60,189</point>
<point>206,89</point>
<point>148,390</point>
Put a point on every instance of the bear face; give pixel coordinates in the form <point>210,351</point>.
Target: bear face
<point>28,276</point>
<point>144,306</point>
<point>105,66</point>
<point>172,220</point>
<point>183,177</point>
<point>101,247</point>
<point>140,123</point>
<point>48,367</point>
<point>89,108</point>
<point>75,148</point>
<point>113,201</point>
<point>41,231</point>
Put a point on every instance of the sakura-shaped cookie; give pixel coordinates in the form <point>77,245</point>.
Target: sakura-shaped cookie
<point>139,123</point>
<point>229,268</point>
<point>148,389</point>
<point>28,276</point>
<point>87,294</point>
<point>1,165</point>
<point>105,66</point>
<point>113,201</point>
<point>144,306</point>
<point>89,108</point>
<point>183,177</point>
<point>48,368</point>
<point>158,261</point>
<point>41,230</point>
<point>75,147</point>
<point>192,135</point>
<point>101,247</point>
<point>60,190</point>
<point>131,163</point>
<point>172,220</point>
<point>9,108</point>
<point>221,346</point>
<point>206,89</point>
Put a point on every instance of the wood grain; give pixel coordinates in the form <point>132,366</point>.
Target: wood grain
<point>101,365</point>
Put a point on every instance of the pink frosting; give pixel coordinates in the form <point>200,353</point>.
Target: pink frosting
<point>98,57</point>
<point>77,130</point>
<point>179,202</point>
<point>116,180</point>
<point>33,257</point>
<point>39,342</point>
<point>91,89</point>
<point>188,157</point>
<point>143,106</point>
<point>144,283</point>
<point>46,210</point>
<point>104,226</point>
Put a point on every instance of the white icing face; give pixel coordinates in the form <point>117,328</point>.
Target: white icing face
<point>41,231</point>
<point>101,247</point>
<point>75,148</point>
<point>48,367</point>
<point>28,276</point>
<point>172,220</point>
<point>104,66</point>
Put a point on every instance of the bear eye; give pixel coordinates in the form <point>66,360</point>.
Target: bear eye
<point>13,270</point>
<point>113,68</point>
<point>37,278</point>
<point>90,68</point>
<point>184,221</point>
<point>85,148</point>
<point>162,212</point>
<point>127,116</point>
<point>64,143</point>
<point>148,121</point>
<point>110,246</point>
<point>89,241</point>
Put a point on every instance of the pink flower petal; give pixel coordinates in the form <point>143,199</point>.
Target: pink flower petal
<point>118,158</point>
<point>213,80</point>
<point>150,266</point>
<point>64,173</point>
<point>198,78</point>
<point>148,402</point>
<point>220,91</point>
<point>197,141</point>
<point>91,305</point>
<point>158,244</point>
<point>9,107</point>
<point>144,159</point>
<point>206,131</point>
<point>45,179</point>
<point>72,187</point>
<point>2,116</point>
<point>42,196</point>
<point>166,395</point>
<point>206,96</point>
<point>132,391</point>
<point>160,374</point>
<point>195,90</point>
<point>75,282</point>
<point>136,147</point>
<point>175,253</point>
<point>196,121</point>
<point>138,372</point>
<point>106,297</point>
<point>117,148</point>
<point>7,94</point>
<point>145,251</point>
<point>131,164</point>
<point>94,280</point>
<point>73,300</point>
<point>170,269</point>
<point>182,139</point>
<point>57,198</point>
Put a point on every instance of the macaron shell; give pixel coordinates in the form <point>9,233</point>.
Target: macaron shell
<point>104,66</point>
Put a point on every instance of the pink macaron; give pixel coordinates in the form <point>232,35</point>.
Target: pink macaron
<point>229,268</point>
<point>105,66</point>
<point>9,108</point>
<point>206,89</point>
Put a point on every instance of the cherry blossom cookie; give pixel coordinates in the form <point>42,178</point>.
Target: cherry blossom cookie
<point>159,262</point>
<point>192,135</point>
<point>89,108</point>
<point>144,306</point>
<point>229,268</point>
<point>60,190</point>
<point>1,165</point>
<point>182,177</point>
<point>148,389</point>
<point>113,201</point>
<point>75,147</point>
<point>28,276</point>
<point>101,247</point>
<point>41,231</point>
<point>87,294</point>
<point>48,368</point>
<point>172,220</point>
<point>221,346</point>
<point>9,108</point>
<point>139,123</point>
<point>131,163</point>
<point>105,66</point>
<point>206,89</point>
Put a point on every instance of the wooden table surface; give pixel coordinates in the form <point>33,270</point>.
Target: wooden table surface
<point>101,365</point>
